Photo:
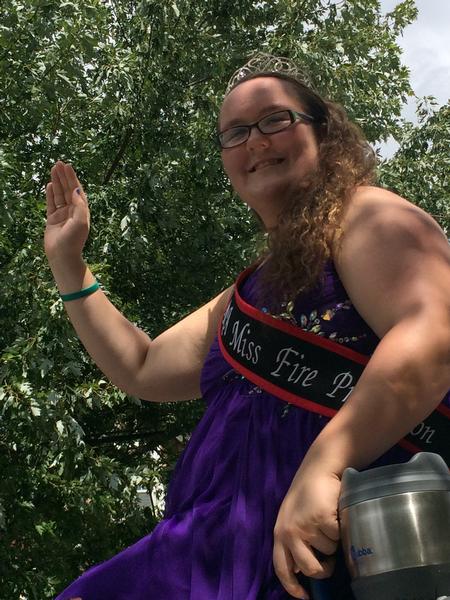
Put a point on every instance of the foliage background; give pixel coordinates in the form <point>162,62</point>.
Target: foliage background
<point>128,91</point>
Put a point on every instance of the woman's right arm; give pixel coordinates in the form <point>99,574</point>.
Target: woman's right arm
<point>165,369</point>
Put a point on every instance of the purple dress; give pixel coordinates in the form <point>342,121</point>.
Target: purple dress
<point>215,541</point>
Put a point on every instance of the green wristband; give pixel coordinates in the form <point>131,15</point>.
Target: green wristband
<point>84,292</point>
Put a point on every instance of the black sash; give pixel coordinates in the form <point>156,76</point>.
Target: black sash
<point>308,370</point>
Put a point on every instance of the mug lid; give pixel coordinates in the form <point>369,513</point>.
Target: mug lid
<point>425,471</point>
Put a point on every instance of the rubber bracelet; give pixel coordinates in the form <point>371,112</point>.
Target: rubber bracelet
<point>84,292</point>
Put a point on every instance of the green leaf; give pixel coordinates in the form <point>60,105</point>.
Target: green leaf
<point>35,410</point>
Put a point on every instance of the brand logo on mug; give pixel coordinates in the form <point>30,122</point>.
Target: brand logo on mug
<point>357,553</point>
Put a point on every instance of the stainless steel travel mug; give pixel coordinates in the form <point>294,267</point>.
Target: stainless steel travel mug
<point>395,529</point>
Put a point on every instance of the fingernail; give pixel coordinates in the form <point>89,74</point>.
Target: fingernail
<point>78,191</point>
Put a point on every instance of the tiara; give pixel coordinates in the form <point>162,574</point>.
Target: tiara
<point>261,62</point>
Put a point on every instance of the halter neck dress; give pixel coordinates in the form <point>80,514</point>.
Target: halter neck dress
<point>216,539</point>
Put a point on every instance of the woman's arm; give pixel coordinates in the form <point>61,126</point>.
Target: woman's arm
<point>394,262</point>
<point>164,369</point>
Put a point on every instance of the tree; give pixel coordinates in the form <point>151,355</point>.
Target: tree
<point>129,92</point>
<point>420,169</point>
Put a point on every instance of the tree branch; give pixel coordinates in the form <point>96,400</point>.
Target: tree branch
<point>123,146</point>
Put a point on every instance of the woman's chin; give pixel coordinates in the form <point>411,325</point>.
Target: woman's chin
<point>266,198</point>
<point>267,192</point>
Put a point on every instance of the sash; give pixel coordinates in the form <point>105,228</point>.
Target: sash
<point>307,370</point>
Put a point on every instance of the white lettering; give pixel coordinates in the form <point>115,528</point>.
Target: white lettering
<point>256,357</point>
<point>244,347</point>
<point>345,398</point>
<point>282,356</point>
<point>310,377</point>
<point>237,340</point>
<point>226,319</point>
<point>293,372</point>
<point>423,432</point>
<point>342,381</point>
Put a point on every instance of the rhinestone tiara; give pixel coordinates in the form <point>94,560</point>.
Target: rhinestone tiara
<point>261,62</point>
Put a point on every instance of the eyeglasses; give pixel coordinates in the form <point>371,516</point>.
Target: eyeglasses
<point>273,123</point>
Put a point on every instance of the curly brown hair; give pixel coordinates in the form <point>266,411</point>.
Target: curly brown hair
<point>298,247</point>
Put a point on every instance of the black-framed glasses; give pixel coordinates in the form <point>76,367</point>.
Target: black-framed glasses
<point>273,123</point>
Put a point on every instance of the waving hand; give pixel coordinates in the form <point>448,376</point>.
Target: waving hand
<point>67,214</point>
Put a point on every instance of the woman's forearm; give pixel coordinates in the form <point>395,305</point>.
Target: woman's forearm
<point>406,378</point>
<point>116,345</point>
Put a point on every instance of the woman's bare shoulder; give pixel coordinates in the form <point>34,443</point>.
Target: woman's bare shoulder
<point>376,199</point>
<point>372,208</point>
<point>391,253</point>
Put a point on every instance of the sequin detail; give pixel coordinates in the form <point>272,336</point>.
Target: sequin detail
<point>313,322</point>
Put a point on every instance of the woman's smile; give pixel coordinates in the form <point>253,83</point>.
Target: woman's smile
<point>263,164</point>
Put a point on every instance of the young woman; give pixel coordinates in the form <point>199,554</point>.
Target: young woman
<point>251,512</point>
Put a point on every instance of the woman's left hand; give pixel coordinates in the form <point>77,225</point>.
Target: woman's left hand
<point>307,522</point>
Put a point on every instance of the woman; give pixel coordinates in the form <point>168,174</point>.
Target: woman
<point>252,507</point>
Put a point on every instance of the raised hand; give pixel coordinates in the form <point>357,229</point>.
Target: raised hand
<point>307,527</point>
<point>67,214</point>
